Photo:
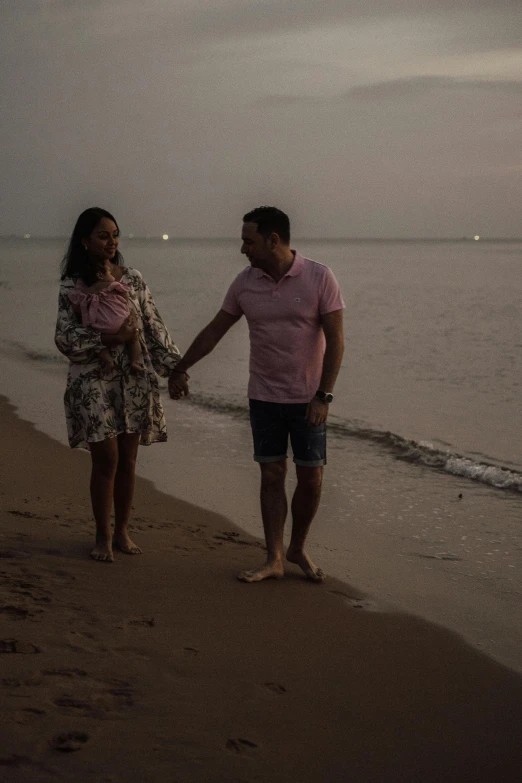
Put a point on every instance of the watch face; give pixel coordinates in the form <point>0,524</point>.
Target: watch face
<point>324,396</point>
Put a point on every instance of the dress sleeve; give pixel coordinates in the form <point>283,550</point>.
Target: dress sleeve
<point>163,353</point>
<point>80,344</point>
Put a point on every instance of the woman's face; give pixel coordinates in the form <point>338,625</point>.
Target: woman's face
<point>103,242</point>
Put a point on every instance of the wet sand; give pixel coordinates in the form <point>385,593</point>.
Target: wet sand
<point>163,667</point>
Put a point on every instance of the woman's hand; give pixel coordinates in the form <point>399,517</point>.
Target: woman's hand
<point>128,330</point>
<point>126,333</point>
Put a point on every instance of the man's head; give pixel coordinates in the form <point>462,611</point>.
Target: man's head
<point>265,235</point>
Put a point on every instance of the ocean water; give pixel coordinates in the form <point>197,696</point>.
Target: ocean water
<point>433,364</point>
<point>421,508</point>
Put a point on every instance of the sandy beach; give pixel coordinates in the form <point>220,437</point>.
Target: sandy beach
<point>164,667</point>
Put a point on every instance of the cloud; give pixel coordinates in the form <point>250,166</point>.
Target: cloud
<point>481,23</point>
<point>413,88</point>
<point>327,107</point>
<point>423,85</point>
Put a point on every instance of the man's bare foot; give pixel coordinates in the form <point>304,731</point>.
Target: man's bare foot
<point>303,561</point>
<point>125,544</point>
<point>136,368</point>
<point>102,552</point>
<point>270,570</point>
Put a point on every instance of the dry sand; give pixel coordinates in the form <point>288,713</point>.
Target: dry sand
<point>163,667</point>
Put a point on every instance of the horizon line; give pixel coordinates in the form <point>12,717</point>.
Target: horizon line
<point>159,238</point>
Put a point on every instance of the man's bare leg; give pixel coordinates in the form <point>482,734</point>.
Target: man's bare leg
<point>274,508</point>
<point>305,503</point>
<point>124,492</point>
<point>104,457</point>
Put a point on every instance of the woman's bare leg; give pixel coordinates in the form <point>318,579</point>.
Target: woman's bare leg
<point>124,492</point>
<point>104,457</point>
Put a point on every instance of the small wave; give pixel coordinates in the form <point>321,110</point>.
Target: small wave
<point>19,350</point>
<point>420,453</point>
<point>426,454</point>
<point>44,356</point>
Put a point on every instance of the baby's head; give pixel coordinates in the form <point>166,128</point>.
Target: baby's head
<point>104,272</point>
<point>96,272</point>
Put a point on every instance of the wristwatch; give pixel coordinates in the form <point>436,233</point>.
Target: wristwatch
<point>324,396</point>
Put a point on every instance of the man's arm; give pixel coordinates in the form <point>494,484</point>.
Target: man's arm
<point>332,324</point>
<point>203,344</point>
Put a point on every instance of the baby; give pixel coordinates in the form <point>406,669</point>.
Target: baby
<point>104,304</point>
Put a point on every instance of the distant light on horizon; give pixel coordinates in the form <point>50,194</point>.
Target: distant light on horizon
<point>165,236</point>
<point>476,237</point>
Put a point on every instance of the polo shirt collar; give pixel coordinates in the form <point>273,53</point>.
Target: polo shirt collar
<point>295,269</point>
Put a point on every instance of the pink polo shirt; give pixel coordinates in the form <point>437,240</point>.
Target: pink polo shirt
<point>286,338</point>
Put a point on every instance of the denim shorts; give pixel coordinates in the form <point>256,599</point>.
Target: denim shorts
<point>273,422</point>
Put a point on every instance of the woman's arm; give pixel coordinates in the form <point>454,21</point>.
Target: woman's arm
<point>163,353</point>
<point>78,343</point>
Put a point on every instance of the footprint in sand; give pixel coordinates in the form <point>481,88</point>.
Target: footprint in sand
<point>275,688</point>
<point>91,697</point>
<point>68,673</point>
<point>145,621</point>
<point>15,646</point>
<point>234,538</point>
<point>104,704</point>
<point>241,745</point>
<point>15,612</point>
<point>26,514</point>
<point>28,715</point>
<point>69,743</point>
<point>16,682</point>
<point>354,602</point>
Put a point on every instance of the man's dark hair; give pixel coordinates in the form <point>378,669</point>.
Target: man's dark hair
<point>270,220</point>
<point>76,256</point>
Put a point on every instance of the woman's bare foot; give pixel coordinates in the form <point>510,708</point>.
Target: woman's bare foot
<point>124,543</point>
<point>269,570</point>
<point>136,368</point>
<point>311,571</point>
<point>103,552</point>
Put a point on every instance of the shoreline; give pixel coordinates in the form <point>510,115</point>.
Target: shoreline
<point>445,549</point>
<point>200,677</point>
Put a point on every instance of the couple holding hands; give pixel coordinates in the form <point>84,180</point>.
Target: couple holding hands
<point>117,344</point>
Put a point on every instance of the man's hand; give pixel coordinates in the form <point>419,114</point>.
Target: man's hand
<point>178,384</point>
<point>317,412</point>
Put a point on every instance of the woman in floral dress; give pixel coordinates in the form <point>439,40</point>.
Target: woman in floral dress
<point>111,413</point>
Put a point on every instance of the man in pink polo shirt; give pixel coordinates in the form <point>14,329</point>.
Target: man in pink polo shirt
<point>293,307</point>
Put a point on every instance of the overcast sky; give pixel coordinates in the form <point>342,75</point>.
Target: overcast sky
<point>357,117</point>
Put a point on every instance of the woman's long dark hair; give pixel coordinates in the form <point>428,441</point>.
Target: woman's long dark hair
<point>76,255</point>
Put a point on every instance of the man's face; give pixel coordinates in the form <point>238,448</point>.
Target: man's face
<point>254,246</point>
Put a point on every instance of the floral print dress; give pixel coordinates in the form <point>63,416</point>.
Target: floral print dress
<point>100,406</point>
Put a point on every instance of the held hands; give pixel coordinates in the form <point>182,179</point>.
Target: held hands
<point>178,384</point>
<point>317,412</point>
